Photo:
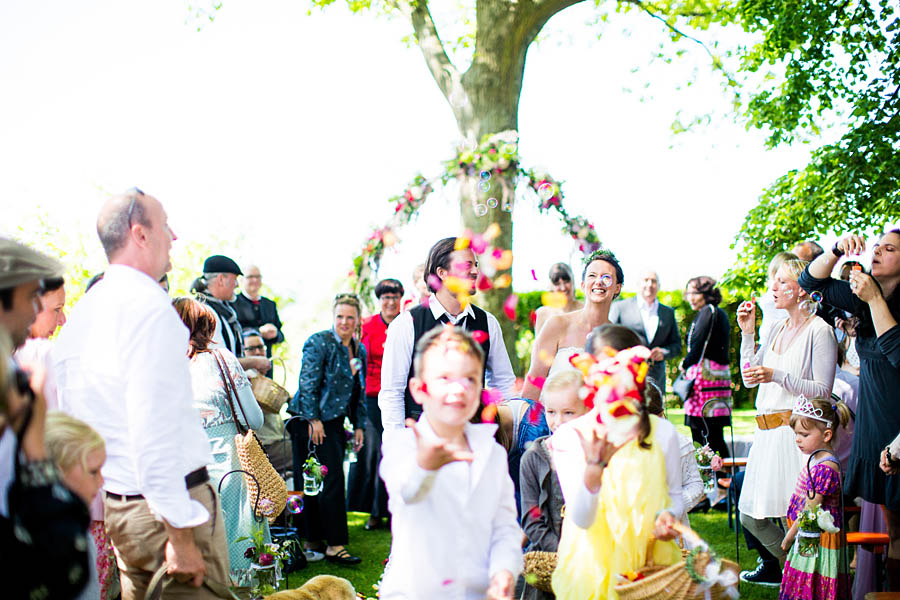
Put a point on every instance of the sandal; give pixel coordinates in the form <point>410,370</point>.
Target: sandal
<point>342,557</point>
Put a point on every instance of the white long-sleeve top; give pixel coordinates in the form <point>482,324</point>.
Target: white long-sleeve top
<point>398,355</point>
<point>691,482</point>
<point>568,457</point>
<point>454,528</point>
<point>121,366</point>
<point>805,367</point>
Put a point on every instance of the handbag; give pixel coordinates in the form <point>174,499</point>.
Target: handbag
<point>539,567</point>
<point>269,395</point>
<point>683,386</point>
<point>253,458</point>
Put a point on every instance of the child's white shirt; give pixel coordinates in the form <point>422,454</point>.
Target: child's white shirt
<point>453,528</point>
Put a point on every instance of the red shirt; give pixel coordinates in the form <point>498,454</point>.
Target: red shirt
<point>374,332</point>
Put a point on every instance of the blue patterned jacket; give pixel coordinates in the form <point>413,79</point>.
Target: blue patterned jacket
<point>326,381</point>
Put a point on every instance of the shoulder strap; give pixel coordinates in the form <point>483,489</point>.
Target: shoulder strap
<point>709,333</point>
<point>230,391</point>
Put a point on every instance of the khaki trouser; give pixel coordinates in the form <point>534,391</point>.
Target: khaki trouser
<point>140,541</point>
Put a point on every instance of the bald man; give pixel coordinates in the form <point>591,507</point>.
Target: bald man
<point>121,366</point>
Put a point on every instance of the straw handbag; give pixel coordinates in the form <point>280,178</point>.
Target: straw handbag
<point>539,567</point>
<point>688,579</point>
<point>253,458</point>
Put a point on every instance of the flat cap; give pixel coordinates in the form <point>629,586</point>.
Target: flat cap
<point>221,264</point>
<point>20,264</point>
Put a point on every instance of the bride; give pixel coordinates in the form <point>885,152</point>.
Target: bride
<point>565,334</point>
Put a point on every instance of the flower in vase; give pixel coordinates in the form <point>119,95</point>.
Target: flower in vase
<point>250,553</point>
<point>324,470</point>
<point>266,559</point>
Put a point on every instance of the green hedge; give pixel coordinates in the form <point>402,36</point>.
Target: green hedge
<point>743,397</point>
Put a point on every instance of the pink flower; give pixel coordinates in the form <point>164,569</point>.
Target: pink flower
<point>266,559</point>
<point>324,470</point>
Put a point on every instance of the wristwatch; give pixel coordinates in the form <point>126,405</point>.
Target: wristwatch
<point>837,251</point>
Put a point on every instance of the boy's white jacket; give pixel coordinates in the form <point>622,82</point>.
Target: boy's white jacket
<point>452,528</point>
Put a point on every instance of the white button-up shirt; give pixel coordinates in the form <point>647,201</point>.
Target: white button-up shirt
<point>650,318</point>
<point>398,354</point>
<point>121,366</point>
<point>454,528</point>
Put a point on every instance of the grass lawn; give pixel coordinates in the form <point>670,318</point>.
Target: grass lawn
<point>373,547</point>
<point>744,421</point>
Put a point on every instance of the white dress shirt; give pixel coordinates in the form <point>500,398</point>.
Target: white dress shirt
<point>121,366</point>
<point>36,352</point>
<point>454,528</point>
<point>398,354</point>
<point>650,318</point>
<point>568,457</point>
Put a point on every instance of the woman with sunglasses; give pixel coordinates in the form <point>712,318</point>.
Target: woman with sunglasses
<point>332,387</point>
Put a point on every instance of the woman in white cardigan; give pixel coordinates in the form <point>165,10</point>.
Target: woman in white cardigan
<point>798,358</point>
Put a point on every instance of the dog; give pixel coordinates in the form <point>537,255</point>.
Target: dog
<point>320,587</point>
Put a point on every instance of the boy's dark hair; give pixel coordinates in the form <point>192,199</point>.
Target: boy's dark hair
<point>608,257</point>
<point>616,337</point>
<point>388,286</point>
<point>438,257</point>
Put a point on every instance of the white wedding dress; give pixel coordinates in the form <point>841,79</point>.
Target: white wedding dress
<point>561,360</point>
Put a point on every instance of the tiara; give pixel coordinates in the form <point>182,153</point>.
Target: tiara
<point>804,408</point>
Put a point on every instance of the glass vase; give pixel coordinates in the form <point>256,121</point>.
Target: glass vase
<point>311,486</point>
<point>808,543</point>
<point>709,478</point>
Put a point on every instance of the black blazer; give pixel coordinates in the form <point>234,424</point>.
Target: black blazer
<point>254,316</point>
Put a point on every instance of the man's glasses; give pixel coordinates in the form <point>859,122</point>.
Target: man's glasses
<point>135,192</point>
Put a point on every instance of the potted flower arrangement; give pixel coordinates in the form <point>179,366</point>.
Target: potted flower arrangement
<point>708,462</point>
<point>812,521</point>
<point>267,560</point>
<point>314,474</point>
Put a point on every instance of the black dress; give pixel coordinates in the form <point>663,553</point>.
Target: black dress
<point>878,414</point>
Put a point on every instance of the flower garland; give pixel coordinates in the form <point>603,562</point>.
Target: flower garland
<point>489,173</point>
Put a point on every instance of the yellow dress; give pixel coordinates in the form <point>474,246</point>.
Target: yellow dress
<point>633,490</point>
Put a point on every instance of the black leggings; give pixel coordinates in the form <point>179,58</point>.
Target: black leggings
<point>711,431</point>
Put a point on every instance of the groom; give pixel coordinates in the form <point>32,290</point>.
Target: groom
<point>653,322</point>
<point>445,265</point>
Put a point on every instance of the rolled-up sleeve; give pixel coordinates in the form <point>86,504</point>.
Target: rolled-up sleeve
<point>398,349</point>
<point>159,387</point>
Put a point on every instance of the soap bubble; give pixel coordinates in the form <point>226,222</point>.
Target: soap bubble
<point>545,191</point>
<point>295,504</point>
<point>480,209</point>
<point>507,206</point>
<point>492,202</point>
<point>606,280</point>
<point>816,296</point>
<point>769,242</point>
<point>485,175</point>
<point>484,186</point>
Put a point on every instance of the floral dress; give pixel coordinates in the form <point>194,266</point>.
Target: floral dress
<point>824,576</point>
<point>211,402</point>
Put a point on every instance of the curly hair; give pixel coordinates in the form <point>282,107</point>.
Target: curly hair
<point>706,286</point>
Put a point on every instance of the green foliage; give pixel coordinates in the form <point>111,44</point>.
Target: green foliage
<point>819,60</point>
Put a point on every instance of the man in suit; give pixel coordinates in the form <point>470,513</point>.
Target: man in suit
<point>653,322</point>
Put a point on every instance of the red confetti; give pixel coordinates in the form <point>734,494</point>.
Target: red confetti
<point>491,396</point>
<point>589,399</point>
<point>534,275</point>
<point>478,244</point>
<point>533,318</point>
<point>534,413</point>
<point>484,283</point>
<point>534,512</point>
<point>537,382</point>
<point>447,582</point>
<point>489,413</point>
<point>620,411</point>
<point>435,282</point>
<point>480,336</point>
<point>509,307</point>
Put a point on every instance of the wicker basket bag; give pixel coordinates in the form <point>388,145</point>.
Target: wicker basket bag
<point>686,579</point>
<point>270,396</point>
<point>539,567</point>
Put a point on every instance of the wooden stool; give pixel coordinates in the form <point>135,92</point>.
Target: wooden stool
<point>883,596</point>
<point>871,541</point>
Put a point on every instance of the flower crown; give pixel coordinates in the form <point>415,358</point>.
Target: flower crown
<point>803,407</point>
<point>619,377</point>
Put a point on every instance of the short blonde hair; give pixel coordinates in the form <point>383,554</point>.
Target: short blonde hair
<point>794,267</point>
<point>778,260</point>
<point>70,440</point>
<point>563,380</point>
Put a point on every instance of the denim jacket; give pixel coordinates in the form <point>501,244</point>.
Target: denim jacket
<point>326,381</point>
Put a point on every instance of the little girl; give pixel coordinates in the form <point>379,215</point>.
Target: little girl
<point>824,576</point>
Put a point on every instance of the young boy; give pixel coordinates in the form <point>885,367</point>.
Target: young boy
<point>542,499</point>
<point>454,527</point>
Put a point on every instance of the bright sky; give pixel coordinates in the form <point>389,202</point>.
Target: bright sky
<point>293,130</point>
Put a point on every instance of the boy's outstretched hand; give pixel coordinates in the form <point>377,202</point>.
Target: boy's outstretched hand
<point>501,586</point>
<point>433,454</point>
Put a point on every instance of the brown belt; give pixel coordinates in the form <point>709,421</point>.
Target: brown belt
<point>774,420</point>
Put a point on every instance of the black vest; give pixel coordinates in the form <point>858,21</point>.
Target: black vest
<point>423,322</point>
